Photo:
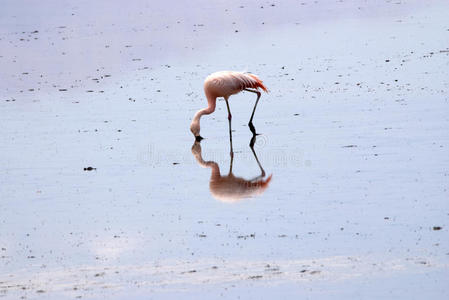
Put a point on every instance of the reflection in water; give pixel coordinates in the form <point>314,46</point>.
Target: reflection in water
<point>230,188</point>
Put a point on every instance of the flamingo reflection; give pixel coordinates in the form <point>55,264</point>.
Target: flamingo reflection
<point>231,188</point>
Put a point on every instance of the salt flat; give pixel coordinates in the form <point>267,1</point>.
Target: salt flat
<point>101,190</point>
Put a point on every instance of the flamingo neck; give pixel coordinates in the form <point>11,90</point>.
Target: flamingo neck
<point>198,115</point>
<point>206,164</point>
<point>205,111</point>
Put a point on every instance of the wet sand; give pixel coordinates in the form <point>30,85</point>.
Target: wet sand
<point>103,193</point>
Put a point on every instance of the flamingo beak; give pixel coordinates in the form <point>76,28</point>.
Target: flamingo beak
<point>198,138</point>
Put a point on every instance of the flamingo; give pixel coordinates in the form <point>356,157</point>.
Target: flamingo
<point>224,84</point>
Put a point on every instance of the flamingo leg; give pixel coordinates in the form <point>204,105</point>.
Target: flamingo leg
<point>230,132</point>
<point>250,124</point>
<point>232,159</point>
<point>262,171</point>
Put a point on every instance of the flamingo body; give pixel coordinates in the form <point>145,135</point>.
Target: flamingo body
<point>231,188</point>
<point>224,84</point>
<point>227,83</point>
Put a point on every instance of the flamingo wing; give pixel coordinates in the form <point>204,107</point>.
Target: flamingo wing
<point>226,83</point>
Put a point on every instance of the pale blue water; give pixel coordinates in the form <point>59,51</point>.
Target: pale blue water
<point>357,146</point>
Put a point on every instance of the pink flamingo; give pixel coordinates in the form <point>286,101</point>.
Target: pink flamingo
<point>224,84</point>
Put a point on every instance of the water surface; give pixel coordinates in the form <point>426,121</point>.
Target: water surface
<point>354,133</point>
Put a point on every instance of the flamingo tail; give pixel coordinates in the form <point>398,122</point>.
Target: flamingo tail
<point>258,83</point>
<point>267,181</point>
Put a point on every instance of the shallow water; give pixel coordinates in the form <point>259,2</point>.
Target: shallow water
<point>354,133</point>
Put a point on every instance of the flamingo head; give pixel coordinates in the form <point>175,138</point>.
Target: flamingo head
<point>195,129</point>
